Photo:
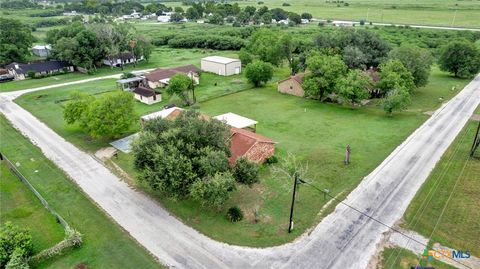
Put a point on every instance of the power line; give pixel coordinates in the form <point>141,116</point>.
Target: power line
<point>370,217</point>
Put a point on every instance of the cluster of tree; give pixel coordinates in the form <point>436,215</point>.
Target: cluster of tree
<point>87,46</point>
<point>16,246</point>
<point>15,41</point>
<point>406,68</point>
<point>217,42</point>
<point>188,158</point>
<point>462,58</point>
<point>240,34</point>
<point>51,22</point>
<point>182,86</point>
<point>110,115</point>
<point>47,13</point>
<point>105,7</point>
<point>18,4</point>
<point>359,48</point>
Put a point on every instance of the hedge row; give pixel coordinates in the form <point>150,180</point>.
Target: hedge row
<point>207,41</point>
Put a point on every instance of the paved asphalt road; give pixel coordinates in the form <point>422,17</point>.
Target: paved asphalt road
<point>344,239</point>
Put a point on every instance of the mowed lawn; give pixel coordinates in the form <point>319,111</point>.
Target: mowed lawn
<point>21,207</point>
<point>105,244</point>
<point>459,176</point>
<point>161,57</point>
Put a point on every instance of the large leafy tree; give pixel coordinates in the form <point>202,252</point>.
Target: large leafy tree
<point>288,47</point>
<point>265,44</point>
<point>417,60</point>
<point>325,72</point>
<point>15,41</point>
<point>181,85</point>
<point>173,155</point>
<point>107,116</point>
<point>259,72</point>
<point>353,88</point>
<point>394,75</point>
<point>462,58</point>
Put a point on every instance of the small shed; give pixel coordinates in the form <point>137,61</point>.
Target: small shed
<point>222,66</point>
<point>237,121</point>
<point>147,95</point>
<point>41,50</point>
<point>292,85</point>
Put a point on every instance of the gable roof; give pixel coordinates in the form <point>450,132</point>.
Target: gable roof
<point>122,56</point>
<point>220,59</point>
<point>241,141</point>
<point>298,78</point>
<point>44,66</point>
<point>144,91</point>
<point>167,113</point>
<point>160,74</point>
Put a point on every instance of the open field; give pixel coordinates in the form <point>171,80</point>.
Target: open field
<point>21,207</point>
<point>427,12</point>
<point>458,227</point>
<point>398,258</point>
<point>105,244</point>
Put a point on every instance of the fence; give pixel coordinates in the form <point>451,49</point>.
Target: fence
<point>14,169</point>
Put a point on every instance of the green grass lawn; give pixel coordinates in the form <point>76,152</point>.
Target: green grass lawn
<point>459,227</point>
<point>161,57</point>
<point>20,206</point>
<point>428,12</point>
<point>399,258</point>
<point>106,245</point>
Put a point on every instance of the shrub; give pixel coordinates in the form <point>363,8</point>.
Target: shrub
<point>362,22</point>
<point>14,239</point>
<point>272,159</point>
<point>245,171</point>
<point>207,41</point>
<point>31,74</point>
<point>17,260</point>
<point>213,191</point>
<point>260,2</point>
<point>259,72</point>
<point>286,4</point>
<point>234,214</point>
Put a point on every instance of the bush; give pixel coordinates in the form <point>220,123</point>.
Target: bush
<point>245,171</point>
<point>17,260</point>
<point>259,72</point>
<point>260,2</point>
<point>218,42</point>
<point>31,74</point>
<point>213,191</point>
<point>272,159</point>
<point>285,4</point>
<point>14,240</point>
<point>234,214</point>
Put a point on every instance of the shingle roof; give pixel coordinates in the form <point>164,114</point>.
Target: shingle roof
<point>144,91</point>
<point>123,56</point>
<point>242,141</point>
<point>159,74</point>
<point>38,66</point>
<point>298,78</point>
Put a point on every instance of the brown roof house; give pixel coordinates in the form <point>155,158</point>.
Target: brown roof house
<point>159,78</point>
<point>292,85</point>
<point>146,95</point>
<point>255,147</point>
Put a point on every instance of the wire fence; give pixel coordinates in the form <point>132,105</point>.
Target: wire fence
<point>22,178</point>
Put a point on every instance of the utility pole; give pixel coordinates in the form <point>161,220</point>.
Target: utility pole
<point>476,141</point>
<point>290,223</point>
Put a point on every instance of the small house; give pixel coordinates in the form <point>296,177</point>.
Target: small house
<point>163,18</point>
<point>255,147</point>
<point>120,59</point>
<point>21,71</point>
<point>41,50</point>
<point>222,66</point>
<point>292,85</point>
<point>159,78</point>
<point>343,23</point>
<point>147,95</point>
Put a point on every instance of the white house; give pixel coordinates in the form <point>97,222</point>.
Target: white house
<point>147,95</point>
<point>71,13</point>
<point>343,23</point>
<point>222,66</point>
<point>163,18</point>
<point>41,50</point>
<point>121,59</point>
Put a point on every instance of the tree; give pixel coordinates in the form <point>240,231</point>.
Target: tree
<point>288,46</point>
<point>192,14</point>
<point>75,110</point>
<point>417,60</point>
<point>461,58</point>
<point>180,85</point>
<point>396,100</point>
<point>265,44</point>
<point>216,19</point>
<point>245,171</point>
<point>17,260</point>
<point>325,72</point>
<point>354,87</point>
<point>171,155</point>
<point>393,75</point>
<point>294,17</point>
<point>15,41</point>
<point>213,190</point>
<point>143,48</point>
<point>111,114</point>
<point>306,16</point>
<point>354,57</point>
<point>14,239</point>
<point>176,17</point>
<point>259,72</point>
<point>245,56</point>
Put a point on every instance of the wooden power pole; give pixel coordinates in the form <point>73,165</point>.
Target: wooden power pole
<point>476,141</point>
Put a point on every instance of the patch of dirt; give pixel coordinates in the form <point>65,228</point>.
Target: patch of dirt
<point>81,266</point>
<point>237,81</point>
<point>105,153</point>
<point>475,117</point>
